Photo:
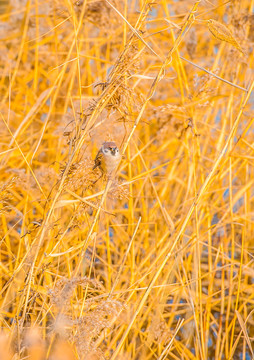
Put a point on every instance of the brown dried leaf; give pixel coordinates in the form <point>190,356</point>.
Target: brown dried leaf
<point>221,32</point>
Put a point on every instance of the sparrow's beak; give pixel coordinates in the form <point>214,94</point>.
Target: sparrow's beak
<point>113,151</point>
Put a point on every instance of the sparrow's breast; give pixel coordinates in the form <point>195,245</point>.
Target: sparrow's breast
<point>111,162</point>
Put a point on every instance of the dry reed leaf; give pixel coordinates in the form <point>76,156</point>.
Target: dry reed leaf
<point>221,32</point>
<point>245,332</point>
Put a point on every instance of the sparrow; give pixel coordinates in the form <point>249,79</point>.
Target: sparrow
<point>108,158</point>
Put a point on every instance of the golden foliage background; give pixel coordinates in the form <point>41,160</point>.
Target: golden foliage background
<point>157,263</point>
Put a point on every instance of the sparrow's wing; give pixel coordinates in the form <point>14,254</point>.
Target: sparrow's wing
<point>98,159</point>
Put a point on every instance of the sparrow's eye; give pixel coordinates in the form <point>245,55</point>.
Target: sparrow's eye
<point>106,151</point>
<point>117,150</point>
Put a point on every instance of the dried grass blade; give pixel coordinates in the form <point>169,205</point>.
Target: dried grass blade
<point>124,258</point>
<point>134,30</point>
<point>214,75</point>
<point>37,106</point>
<point>87,202</point>
<point>48,32</point>
<point>167,348</point>
<point>243,326</point>
<point>239,336</point>
<point>23,156</point>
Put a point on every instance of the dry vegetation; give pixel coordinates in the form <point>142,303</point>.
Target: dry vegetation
<point>156,263</point>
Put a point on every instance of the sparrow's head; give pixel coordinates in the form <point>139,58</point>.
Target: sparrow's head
<point>110,148</point>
